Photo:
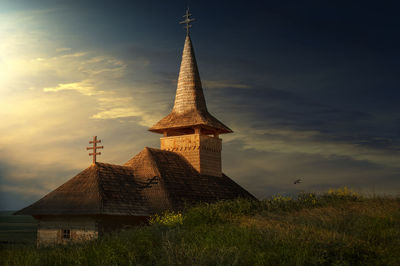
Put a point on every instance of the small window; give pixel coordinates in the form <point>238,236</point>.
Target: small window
<point>66,234</point>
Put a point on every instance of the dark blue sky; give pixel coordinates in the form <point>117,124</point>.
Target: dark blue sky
<point>311,88</point>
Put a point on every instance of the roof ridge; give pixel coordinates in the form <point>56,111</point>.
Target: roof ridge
<point>153,160</point>
<point>99,187</point>
<point>107,164</point>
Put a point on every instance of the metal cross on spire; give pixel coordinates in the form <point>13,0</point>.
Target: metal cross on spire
<point>187,21</point>
<point>94,148</point>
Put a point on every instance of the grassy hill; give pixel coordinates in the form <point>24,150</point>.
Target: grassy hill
<point>336,228</point>
<point>17,229</point>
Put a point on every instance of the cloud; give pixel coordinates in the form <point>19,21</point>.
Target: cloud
<point>267,173</point>
<point>85,87</point>
<point>116,113</point>
<point>310,142</point>
<point>22,190</point>
<point>217,84</point>
<point>114,107</point>
<point>51,102</point>
<point>63,49</point>
<point>273,119</point>
<point>279,136</point>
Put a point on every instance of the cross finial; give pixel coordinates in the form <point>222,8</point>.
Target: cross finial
<point>94,148</point>
<point>187,21</point>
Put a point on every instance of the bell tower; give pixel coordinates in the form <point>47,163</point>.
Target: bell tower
<point>190,129</point>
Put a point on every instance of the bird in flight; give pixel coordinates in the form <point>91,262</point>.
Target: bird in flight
<point>298,181</point>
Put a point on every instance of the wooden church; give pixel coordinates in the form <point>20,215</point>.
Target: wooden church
<point>185,170</point>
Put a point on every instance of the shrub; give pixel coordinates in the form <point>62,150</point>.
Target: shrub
<point>168,218</point>
<point>343,194</point>
<point>220,212</point>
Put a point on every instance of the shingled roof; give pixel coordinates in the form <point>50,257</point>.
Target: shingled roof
<point>107,189</point>
<point>101,189</point>
<point>190,107</point>
<point>180,183</point>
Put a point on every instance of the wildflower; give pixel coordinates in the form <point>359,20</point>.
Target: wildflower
<point>343,193</point>
<point>167,218</point>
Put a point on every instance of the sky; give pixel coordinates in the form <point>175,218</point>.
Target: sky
<point>310,89</point>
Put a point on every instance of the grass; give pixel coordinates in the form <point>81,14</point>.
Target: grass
<point>17,229</point>
<point>336,228</point>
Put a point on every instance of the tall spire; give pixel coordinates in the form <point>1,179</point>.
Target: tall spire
<point>190,109</point>
<point>189,92</point>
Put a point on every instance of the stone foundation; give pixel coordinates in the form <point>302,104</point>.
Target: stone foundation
<point>51,230</point>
